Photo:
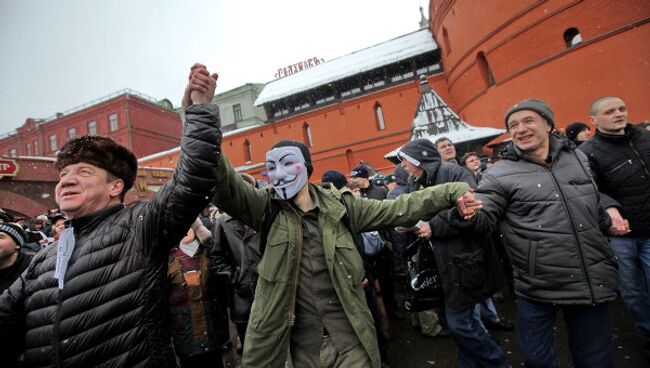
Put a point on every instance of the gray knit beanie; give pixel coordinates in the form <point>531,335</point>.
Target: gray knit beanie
<point>533,104</point>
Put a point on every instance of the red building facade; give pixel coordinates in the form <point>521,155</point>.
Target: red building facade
<point>567,52</point>
<point>130,118</point>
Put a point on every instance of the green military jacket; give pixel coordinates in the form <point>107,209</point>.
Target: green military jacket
<point>272,314</point>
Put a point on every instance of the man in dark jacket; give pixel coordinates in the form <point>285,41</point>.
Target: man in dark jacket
<point>360,175</point>
<point>543,198</point>
<point>467,264</point>
<point>236,255</point>
<point>98,298</point>
<point>12,261</point>
<point>619,157</point>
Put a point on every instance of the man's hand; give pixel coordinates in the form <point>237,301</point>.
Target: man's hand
<point>467,204</point>
<point>424,230</point>
<point>620,226</point>
<point>201,86</point>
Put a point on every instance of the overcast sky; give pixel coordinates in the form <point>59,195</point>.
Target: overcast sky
<point>56,55</point>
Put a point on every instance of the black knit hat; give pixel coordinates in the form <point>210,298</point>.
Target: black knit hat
<point>102,152</point>
<point>419,151</point>
<point>15,231</point>
<point>335,177</point>
<point>572,130</point>
<point>360,172</point>
<point>533,104</point>
<point>303,148</point>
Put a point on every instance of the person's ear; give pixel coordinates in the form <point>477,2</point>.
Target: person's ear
<point>116,188</point>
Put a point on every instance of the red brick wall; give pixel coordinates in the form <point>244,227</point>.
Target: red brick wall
<point>524,45</point>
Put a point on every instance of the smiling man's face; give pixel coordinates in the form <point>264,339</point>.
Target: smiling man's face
<point>287,171</point>
<point>84,188</point>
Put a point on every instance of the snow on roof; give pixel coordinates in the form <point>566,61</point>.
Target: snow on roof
<point>400,48</point>
<point>435,119</point>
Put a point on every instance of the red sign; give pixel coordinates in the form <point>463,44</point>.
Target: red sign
<point>298,67</point>
<point>8,168</point>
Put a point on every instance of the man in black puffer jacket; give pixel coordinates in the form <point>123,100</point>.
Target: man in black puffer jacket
<point>467,263</point>
<point>619,157</point>
<point>98,297</point>
<point>548,208</point>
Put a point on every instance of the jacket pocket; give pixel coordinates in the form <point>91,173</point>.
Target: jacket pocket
<point>619,166</point>
<point>470,269</point>
<point>348,260</point>
<point>275,264</point>
<point>532,258</point>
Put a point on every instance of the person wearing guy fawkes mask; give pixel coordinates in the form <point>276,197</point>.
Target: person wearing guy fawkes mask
<point>309,297</point>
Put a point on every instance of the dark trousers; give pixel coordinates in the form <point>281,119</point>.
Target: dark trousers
<point>589,330</point>
<point>475,346</point>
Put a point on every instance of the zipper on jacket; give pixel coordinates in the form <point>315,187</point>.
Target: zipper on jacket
<point>626,162</point>
<point>57,337</point>
<point>296,272</point>
<point>645,168</point>
<point>575,235</point>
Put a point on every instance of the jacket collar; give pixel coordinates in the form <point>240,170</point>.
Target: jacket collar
<point>91,220</point>
<point>557,143</point>
<point>629,132</point>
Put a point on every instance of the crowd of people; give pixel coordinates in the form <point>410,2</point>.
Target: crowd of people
<point>309,274</point>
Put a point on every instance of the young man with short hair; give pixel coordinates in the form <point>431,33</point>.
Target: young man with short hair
<point>619,157</point>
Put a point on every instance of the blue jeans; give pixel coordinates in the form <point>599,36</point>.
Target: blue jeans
<point>589,330</point>
<point>633,276</point>
<point>486,310</point>
<point>475,347</point>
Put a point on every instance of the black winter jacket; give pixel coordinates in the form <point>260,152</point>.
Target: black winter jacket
<point>468,266</point>
<point>236,256</point>
<point>552,223</point>
<point>621,168</point>
<point>113,310</point>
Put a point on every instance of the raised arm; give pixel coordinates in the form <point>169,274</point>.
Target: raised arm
<point>168,216</point>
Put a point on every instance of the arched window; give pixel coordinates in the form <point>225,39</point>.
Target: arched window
<point>572,37</point>
<point>306,135</point>
<point>379,114</point>
<point>486,72</point>
<point>349,157</point>
<point>248,151</point>
<point>445,39</point>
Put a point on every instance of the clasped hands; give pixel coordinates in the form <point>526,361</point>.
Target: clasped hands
<point>467,205</point>
<point>200,87</point>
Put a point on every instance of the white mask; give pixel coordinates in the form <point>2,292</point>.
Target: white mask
<point>287,170</point>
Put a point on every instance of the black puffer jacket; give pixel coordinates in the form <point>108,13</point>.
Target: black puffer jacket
<point>552,223</point>
<point>468,266</point>
<point>621,168</point>
<point>113,310</point>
